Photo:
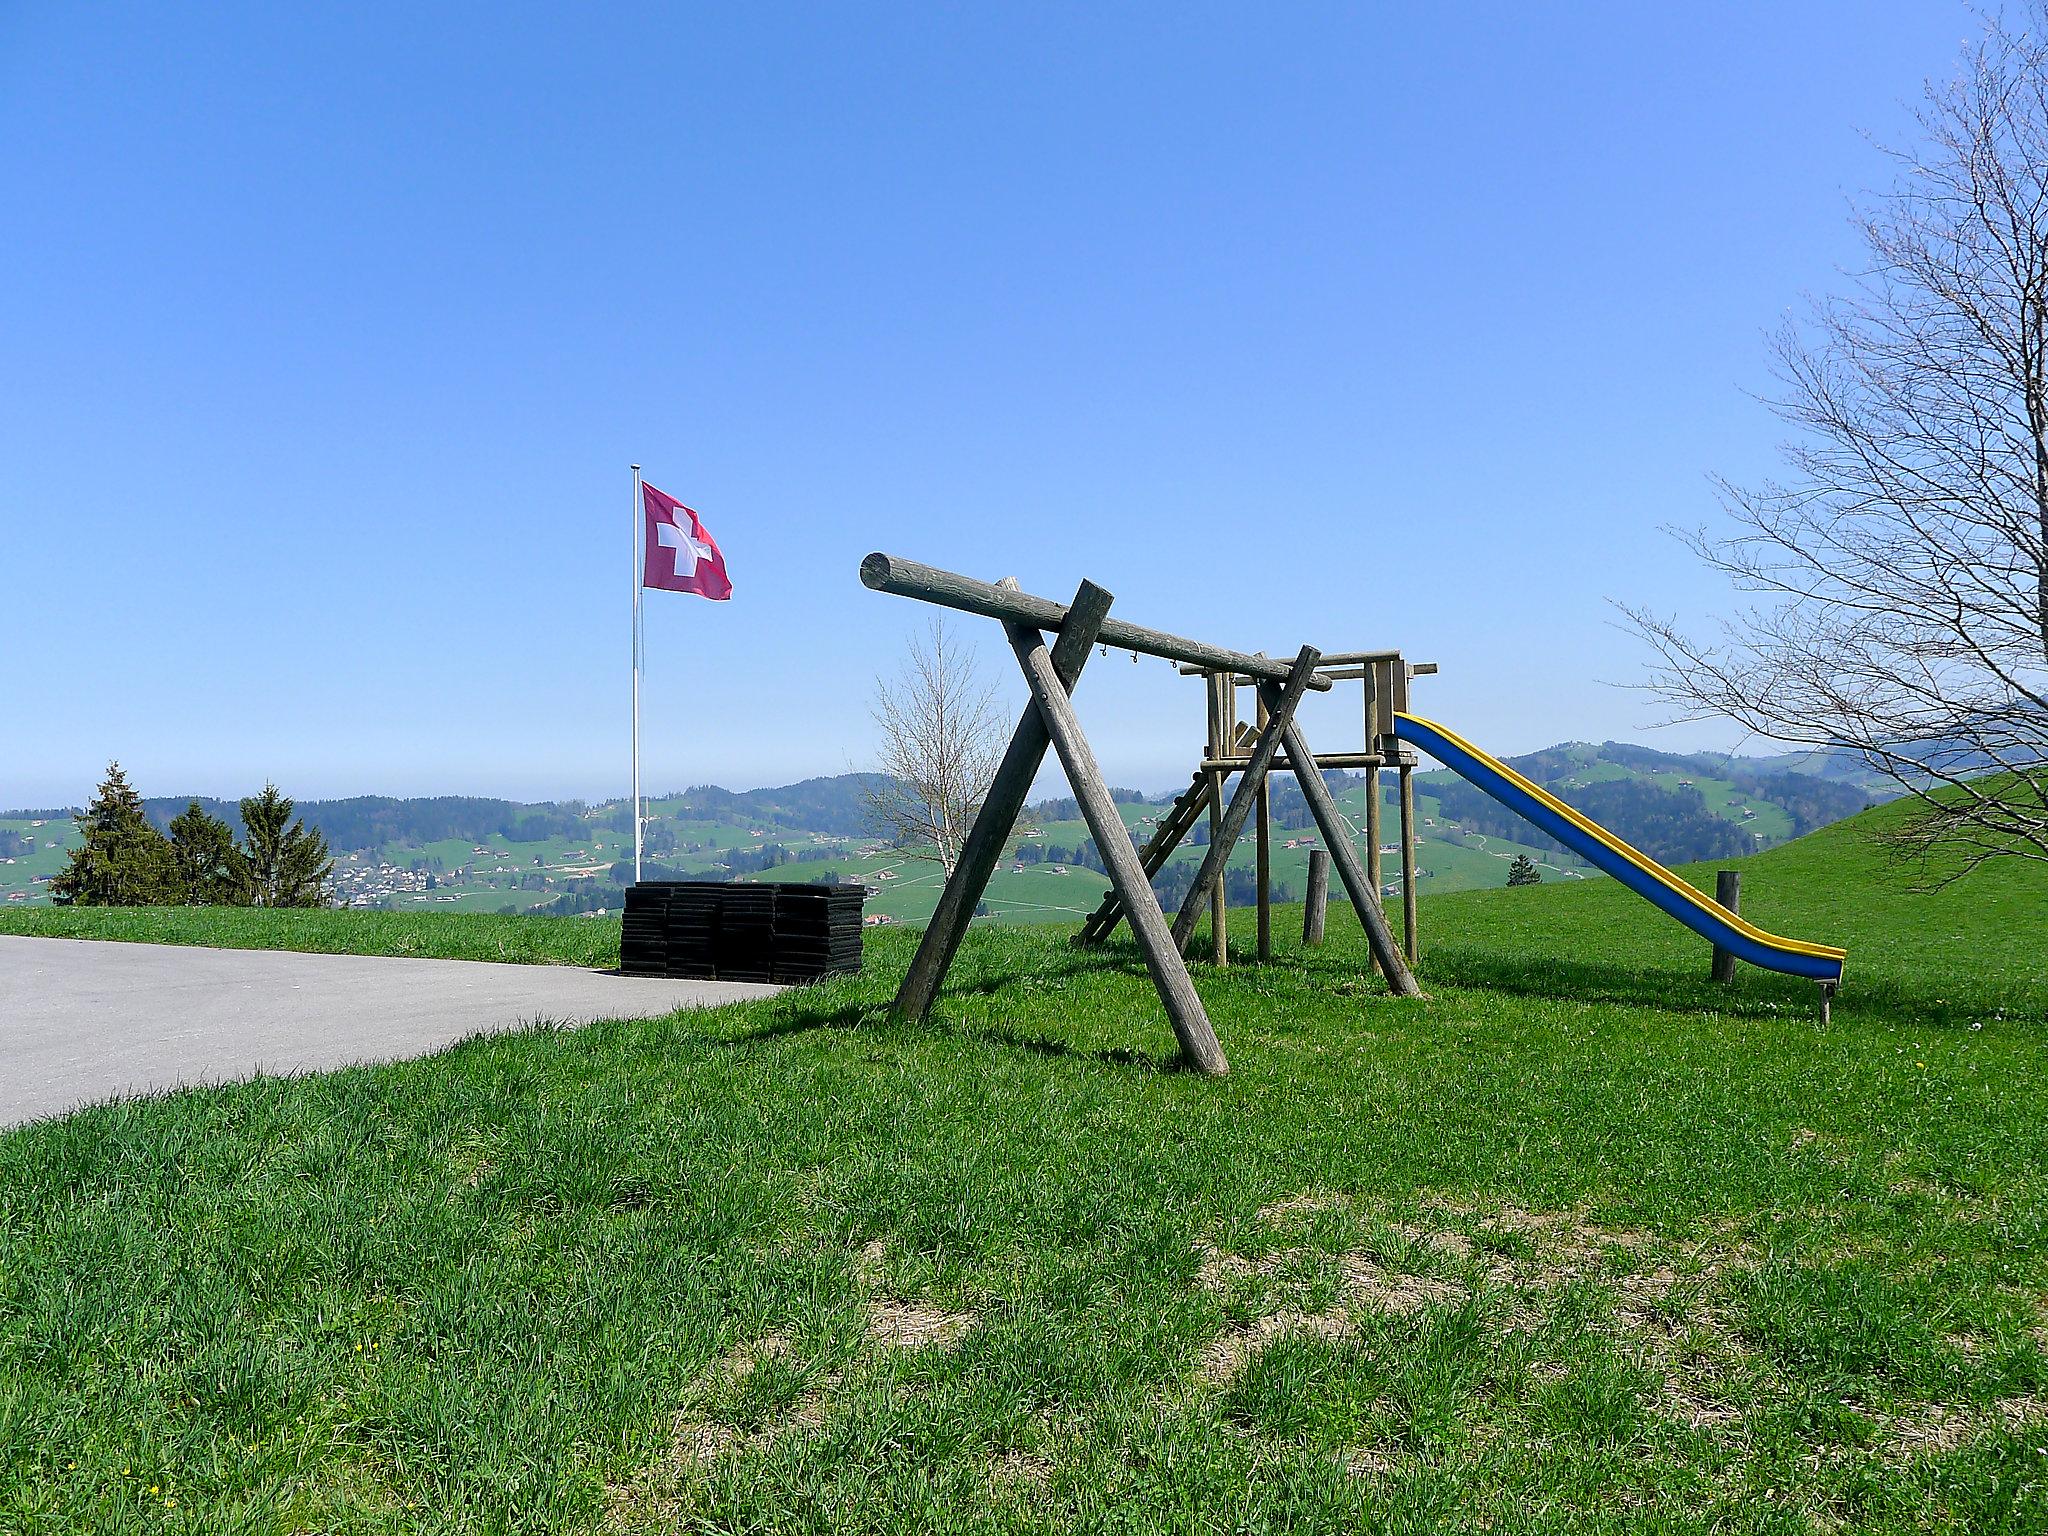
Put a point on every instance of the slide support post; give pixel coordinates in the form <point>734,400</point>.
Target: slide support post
<point>1728,894</point>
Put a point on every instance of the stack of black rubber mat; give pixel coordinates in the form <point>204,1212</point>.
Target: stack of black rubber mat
<point>722,931</point>
<point>817,930</point>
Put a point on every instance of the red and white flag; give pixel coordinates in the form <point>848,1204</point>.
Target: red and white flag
<point>679,556</point>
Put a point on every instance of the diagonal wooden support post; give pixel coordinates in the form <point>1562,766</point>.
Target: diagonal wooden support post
<point>1169,972</point>
<point>1365,901</point>
<point>1280,704</point>
<point>1000,807</point>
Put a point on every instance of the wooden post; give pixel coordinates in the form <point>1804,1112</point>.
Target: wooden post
<point>1316,908</point>
<point>1410,940</point>
<point>1219,901</point>
<point>983,849</point>
<point>1728,894</point>
<point>1365,901</point>
<point>1169,973</point>
<point>1373,831</point>
<point>1281,704</point>
<point>1372,782</point>
<point>1263,811</point>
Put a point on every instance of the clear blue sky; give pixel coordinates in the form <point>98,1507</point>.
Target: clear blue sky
<point>328,335</point>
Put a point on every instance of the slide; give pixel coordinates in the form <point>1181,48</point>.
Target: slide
<point>1640,873</point>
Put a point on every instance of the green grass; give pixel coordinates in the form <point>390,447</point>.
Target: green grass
<point>1579,1243</point>
<point>433,935</point>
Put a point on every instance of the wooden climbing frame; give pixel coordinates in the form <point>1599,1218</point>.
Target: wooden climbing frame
<point>1383,677</point>
<point>1049,720</point>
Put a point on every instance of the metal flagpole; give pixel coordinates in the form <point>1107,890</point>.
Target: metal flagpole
<point>639,534</point>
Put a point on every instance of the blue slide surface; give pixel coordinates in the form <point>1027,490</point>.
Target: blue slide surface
<point>1601,848</point>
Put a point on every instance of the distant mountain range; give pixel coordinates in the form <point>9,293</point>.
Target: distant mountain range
<point>479,853</point>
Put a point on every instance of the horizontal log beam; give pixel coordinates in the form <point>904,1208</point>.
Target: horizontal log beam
<point>906,578</point>
<point>1346,668</point>
<point>1282,765</point>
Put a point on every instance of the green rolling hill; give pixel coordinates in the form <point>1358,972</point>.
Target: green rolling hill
<point>467,854</point>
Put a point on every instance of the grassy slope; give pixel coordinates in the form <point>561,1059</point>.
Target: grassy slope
<point>438,935</point>
<point>1594,1246</point>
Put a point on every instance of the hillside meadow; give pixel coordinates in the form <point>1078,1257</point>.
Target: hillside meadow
<point>1581,1242</point>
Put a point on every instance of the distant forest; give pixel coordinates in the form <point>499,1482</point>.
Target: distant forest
<point>1673,826</point>
<point>831,805</point>
<point>370,821</point>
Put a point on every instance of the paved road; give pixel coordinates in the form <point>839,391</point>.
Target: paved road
<point>82,1020</point>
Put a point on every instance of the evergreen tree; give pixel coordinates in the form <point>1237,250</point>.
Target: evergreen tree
<point>287,865</point>
<point>121,860</point>
<point>211,869</point>
<point>1524,871</point>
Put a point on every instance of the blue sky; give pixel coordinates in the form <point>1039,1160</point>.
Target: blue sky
<point>328,335</point>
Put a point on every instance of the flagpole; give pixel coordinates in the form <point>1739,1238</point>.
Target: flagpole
<point>639,534</point>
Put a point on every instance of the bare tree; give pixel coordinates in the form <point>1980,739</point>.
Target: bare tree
<point>941,739</point>
<point>1902,566</point>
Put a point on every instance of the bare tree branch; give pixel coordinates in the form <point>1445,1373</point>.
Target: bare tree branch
<point>940,741</point>
<point>1901,570</point>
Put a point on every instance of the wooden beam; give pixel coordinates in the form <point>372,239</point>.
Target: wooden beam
<point>1280,704</point>
<point>1365,901</point>
<point>1262,816</point>
<point>1411,940</point>
<point>1336,664</point>
<point>1184,1009</point>
<point>1373,730</point>
<point>1219,897</point>
<point>906,578</point>
<point>993,824</point>
<point>1230,764</point>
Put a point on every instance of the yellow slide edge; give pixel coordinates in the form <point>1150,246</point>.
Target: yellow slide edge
<point>1642,861</point>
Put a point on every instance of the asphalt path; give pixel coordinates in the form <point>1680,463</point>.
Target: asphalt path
<point>82,1021</point>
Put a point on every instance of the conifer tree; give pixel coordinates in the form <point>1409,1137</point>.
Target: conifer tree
<point>121,860</point>
<point>287,865</point>
<point>1524,871</point>
<point>211,868</point>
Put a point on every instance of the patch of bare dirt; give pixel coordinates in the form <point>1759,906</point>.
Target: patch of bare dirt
<point>1307,1203</point>
<point>1444,1240</point>
<point>1020,1469</point>
<point>695,1441</point>
<point>1368,1284</point>
<point>741,1361</point>
<point>867,1264</point>
<point>1230,1352</point>
<point>1218,1269</point>
<point>905,1325</point>
<point>1692,1404</point>
<point>2022,1412</point>
<point>1669,1309</point>
<point>1365,1461</point>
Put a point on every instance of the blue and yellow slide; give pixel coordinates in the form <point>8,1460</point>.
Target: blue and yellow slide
<point>1601,848</point>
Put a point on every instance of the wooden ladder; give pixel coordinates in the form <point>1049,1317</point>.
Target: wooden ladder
<point>1173,826</point>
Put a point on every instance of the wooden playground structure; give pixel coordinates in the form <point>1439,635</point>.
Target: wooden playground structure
<point>1248,751</point>
<point>1229,749</point>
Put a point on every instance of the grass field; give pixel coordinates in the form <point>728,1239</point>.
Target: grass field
<point>327,931</point>
<point>1579,1243</point>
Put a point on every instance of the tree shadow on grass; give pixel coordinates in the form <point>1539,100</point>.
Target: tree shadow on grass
<point>798,1015</point>
<point>1755,994</point>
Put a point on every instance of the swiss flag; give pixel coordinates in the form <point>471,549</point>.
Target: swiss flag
<point>678,555</point>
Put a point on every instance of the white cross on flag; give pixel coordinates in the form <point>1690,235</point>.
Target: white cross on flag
<point>678,555</point>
